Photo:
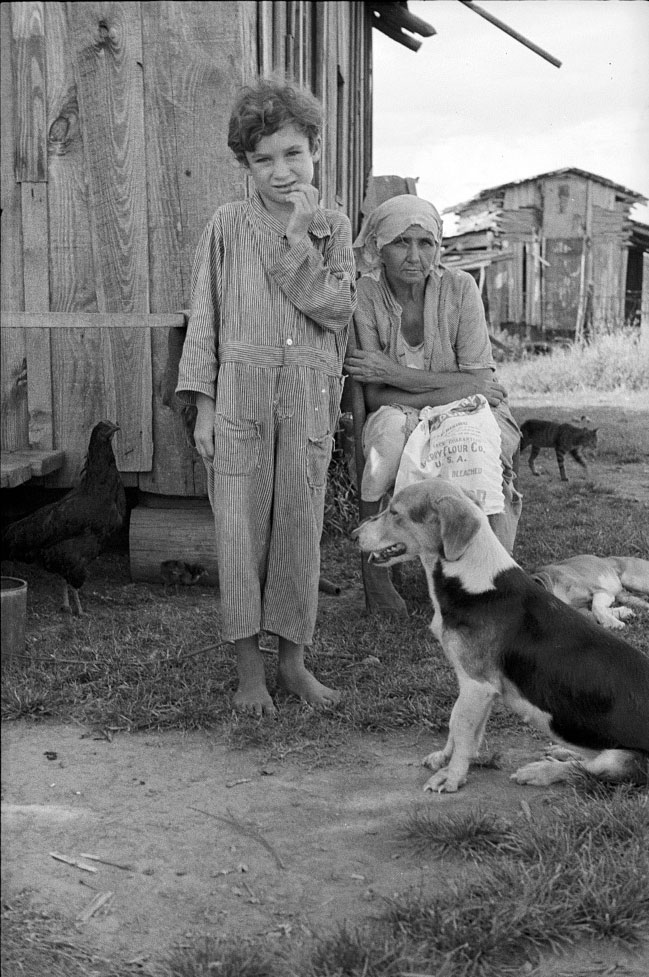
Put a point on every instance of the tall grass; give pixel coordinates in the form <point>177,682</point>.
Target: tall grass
<point>613,362</point>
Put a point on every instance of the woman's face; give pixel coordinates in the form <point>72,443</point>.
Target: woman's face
<point>409,258</point>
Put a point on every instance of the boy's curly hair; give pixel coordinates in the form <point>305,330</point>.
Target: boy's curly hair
<point>267,106</point>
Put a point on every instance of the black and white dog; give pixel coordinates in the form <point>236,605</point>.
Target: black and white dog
<point>506,635</point>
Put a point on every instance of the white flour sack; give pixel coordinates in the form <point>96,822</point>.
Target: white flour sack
<point>461,443</point>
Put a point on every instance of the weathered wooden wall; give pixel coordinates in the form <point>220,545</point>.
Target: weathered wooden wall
<point>565,237</point>
<point>114,156</point>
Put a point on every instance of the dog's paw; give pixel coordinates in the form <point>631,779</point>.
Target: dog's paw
<point>542,773</point>
<point>444,782</point>
<point>435,761</point>
<point>610,621</point>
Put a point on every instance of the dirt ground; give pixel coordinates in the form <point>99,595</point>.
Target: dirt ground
<point>205,840</point>
<point>196,837</point>
<point>213,840</point>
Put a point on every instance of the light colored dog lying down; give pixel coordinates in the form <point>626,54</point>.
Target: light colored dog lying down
<point>506,635</point>
<point>594,583</point>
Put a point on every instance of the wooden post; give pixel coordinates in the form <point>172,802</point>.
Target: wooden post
<point>585,272</point>
<point>644,304</point>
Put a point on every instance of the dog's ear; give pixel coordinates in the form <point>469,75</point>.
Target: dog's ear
<point>459,523</point>
<point>422,511</point>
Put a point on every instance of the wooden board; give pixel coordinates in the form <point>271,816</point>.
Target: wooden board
<point>37,297</point>
<point>13,408</point>
<point>28,29</point>
<point>90,320</point>
<point>107,55</point>
<point>95,358</point>
<point>194,59</point>
<point>14,471</point>
<point>72,272</point>
<point>177,468</point>
<point>17,467</point>
<point>561,283</point>
<point>11,293</point>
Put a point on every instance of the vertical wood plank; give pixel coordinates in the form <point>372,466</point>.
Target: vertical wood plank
<point>199,54</point>
<point>265,36</point>
<point>107,52</point>
<point>195,56</point>
<point>173,465</point>
<point>319,83</point>
<point>72,275</point>
<point>106,49</point>
<point>346,81</point>
<point>28,31</point>
<point>644,305</point>
<point>101,373</point>
<point>37,298</point>
<point>13,396</point>
<point>279,35</point>
<point>29,60</point>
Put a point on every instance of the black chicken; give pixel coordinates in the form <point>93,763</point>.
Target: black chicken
<point>65,536</point>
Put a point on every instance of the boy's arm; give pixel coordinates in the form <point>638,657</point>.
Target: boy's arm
<point>322,286</point>
<point>198,366</point>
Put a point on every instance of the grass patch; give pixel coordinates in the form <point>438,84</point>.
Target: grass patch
<point>544,883</point>
<point>542,886</point>
<point>225,958</point>
<point>614,362</point>
<point>37,943</point>
<point>143,660</point>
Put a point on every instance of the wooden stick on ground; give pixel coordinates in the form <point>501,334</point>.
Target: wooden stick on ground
<point>245,829</point>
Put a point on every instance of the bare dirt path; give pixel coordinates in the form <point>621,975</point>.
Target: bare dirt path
<point>206,840</point>
<point>218,840</point>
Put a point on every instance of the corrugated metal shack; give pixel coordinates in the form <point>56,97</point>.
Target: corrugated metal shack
<point>556,255</point>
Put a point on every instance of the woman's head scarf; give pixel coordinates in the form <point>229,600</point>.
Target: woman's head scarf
<point>389,221</point>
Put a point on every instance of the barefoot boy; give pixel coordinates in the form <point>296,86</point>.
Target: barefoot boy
<point>272,295</point>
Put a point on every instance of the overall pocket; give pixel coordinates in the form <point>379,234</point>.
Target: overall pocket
<point>318,456</point>
<point>237,446</point>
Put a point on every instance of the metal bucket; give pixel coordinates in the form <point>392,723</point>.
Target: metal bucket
<point>14,617</point>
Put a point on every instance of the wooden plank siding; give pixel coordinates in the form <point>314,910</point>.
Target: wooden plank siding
<point>567,236</point>
<point>113,158</point>
<point>28,31</point>
<point>13,377</point>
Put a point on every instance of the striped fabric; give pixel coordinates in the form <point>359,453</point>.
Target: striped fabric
<point>455,330</point>
<point>266,340</point>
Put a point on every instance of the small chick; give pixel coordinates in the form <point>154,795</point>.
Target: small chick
<point>176,573</point>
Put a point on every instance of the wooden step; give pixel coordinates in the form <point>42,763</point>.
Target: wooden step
<point>17,467</point>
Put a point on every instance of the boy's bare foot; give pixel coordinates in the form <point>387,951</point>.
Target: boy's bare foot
<point>255,700</point>
<point>293,676</point>
<point>252,695</point>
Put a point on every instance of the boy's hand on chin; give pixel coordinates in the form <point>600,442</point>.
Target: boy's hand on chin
<point>305,198</point>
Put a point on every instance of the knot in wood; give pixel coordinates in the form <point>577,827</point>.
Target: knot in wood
<point>105,35</point>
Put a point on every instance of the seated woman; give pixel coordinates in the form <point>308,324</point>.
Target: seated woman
<point>421,341</point>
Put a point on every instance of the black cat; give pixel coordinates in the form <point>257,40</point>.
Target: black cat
<point>562,437</point>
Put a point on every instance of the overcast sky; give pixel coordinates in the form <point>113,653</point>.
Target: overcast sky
<point>473,108</point>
